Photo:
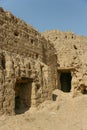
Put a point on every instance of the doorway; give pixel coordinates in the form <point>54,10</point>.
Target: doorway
<point>65,81</point>
<point>22,96</point>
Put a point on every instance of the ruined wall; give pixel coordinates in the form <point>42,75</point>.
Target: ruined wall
<point>27,59</point>
<point>24,55</point>
<point>16,36</point>
<point>71,56</point>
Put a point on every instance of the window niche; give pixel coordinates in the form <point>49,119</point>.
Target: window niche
<point>3,62</point>
<point>32,41</point>
<point>65,37</point>
<point>16,33</point>
<point>37,56</point>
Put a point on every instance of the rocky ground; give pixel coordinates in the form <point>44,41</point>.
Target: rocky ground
<point>66,113</point>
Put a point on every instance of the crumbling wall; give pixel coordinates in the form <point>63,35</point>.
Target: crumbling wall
<point>18,37</point>
<point>24,54</point>
<point>52,74</point>
<point>17,67</point>
<point>7,85</point>
<point>71,55</point>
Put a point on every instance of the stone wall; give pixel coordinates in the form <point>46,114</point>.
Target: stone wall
<point>24,60</point>
<point>14,68</point>
<point>71,51</point>
<point>31,63</point>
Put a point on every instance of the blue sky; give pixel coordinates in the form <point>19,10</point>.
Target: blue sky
<point>65,15</point>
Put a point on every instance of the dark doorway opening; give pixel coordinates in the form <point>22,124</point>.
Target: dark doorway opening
<point>85,91</point>
<point>22,96</point>
<point>65,81</point>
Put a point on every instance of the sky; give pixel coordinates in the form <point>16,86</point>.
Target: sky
<point>64,15</point>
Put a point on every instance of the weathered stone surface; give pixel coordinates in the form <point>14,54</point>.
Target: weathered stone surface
<point>24,70</point>
<point>32,65</point>
<point>71,51</point>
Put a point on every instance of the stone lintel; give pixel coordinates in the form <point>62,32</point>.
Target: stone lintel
<point>64,69</point>
<point>24,80</point>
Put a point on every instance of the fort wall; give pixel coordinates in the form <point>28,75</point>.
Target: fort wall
<point>25,65</point>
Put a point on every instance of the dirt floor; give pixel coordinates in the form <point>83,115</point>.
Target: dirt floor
<point>66,113</point>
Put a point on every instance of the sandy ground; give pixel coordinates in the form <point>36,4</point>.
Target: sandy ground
<point>66,113</point>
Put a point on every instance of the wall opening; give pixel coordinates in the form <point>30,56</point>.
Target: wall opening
<point>54,97</point>
<point>65,81</point>
<point>16,33</point>
<point>36,56</point>
<point>32,41</point>
<point>85,91</point>
<point>3,62</point>
<point>22,96</point>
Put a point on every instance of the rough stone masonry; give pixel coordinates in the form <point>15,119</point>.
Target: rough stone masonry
<point>32,64</point>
